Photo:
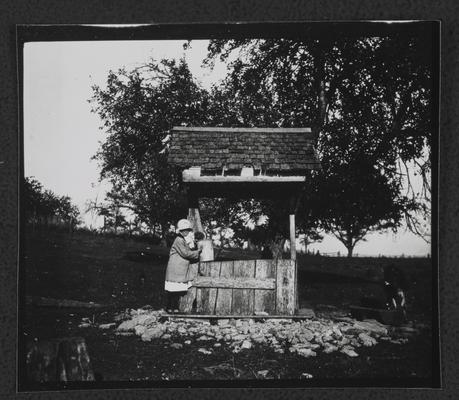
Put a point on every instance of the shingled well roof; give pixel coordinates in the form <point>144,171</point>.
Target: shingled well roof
<point>274,149</point>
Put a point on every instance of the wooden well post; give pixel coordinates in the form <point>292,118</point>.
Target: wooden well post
<point>193,212</point>
<point>292,229</point>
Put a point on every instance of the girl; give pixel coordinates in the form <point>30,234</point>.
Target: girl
<point>180,257</point>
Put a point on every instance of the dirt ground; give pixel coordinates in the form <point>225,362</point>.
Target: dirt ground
<point>122,273</point>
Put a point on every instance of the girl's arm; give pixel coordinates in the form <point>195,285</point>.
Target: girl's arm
<point>185,252</point>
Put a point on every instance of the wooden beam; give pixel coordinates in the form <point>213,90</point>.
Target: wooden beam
<point>285,288</point>
<point>193,211</point>
<point>292,237</point>
<point>234,283</point>
<point>227,129</point>
<point>190,178</point>
<point>195,218</point>
<point>231,316</point>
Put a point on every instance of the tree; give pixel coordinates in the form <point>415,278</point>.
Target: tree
<point>358,199</point>
<point>366,96</point>
<point>138,108</point>
<point>43,207</point>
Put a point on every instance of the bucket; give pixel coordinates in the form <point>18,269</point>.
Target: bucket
<point>207,253</point>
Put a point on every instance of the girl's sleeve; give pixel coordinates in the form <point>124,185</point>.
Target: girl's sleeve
<point>185,252</point>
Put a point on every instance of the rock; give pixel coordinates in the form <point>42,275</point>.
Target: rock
<point>227,337</point>
<point>263,373</point>
<point>408,329</point>
<point>329,348</point>
<point>305,375</point>
<point>372,326</point>
<point>306,312</point>
<point>203,338</point>
<point>128,325</point>
<point>246,344</point>
<point>223,322</point>
<point>176,345</point>
<point>85,325</point>
<point>279,350</point>
<point>150,320</point>
<point>367,340</point>
<point>344,341</point>
<point>257,338</point>
<point>152,333</point>
<point>187,342</point>
<point>239,337</point>
<point>166,336</point>
<point>239,323</point>
<point>336,332</point>
<point>399,341</point>
<point>140,329</point>
<point>244,329</point>
<point>121,316</point>
<point>204,351</point>
<point>217,345</point>
<point>348,350</point>
<point>306,352</point>
<point>326,338</point>
<point>107,326</point>
<point>309,335</point>
<point>253,329</point>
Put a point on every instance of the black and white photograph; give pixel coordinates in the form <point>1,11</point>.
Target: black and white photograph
<point>247,205</point>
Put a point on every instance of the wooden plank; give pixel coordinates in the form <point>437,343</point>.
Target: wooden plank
<point>213,270</point>
<point>223,303</point>
<point>292,237</point>
<point>240,129</point>
<point>285,290</point>
<point>226,316</point>
<point>209,268</point>
<point>202,296</point>
<point>234,283</point>
<point>243,298</point>
<point>237,178</point>
<point>186,302</point>
<point>49,302</point>
<point>265,300</point>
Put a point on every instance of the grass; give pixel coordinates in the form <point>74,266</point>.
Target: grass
<point>123,273</point>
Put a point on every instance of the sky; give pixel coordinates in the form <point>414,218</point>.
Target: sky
<point>61,134</point>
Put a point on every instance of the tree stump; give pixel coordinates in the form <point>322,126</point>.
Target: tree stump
<point>58,360</point>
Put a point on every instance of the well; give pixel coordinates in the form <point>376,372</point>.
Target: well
<point>244,163</point>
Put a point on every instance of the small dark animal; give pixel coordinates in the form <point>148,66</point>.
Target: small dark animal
<point>395,286</point>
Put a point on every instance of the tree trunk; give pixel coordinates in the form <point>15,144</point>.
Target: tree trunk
<point>61,360</point>
<point>350,250</point>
